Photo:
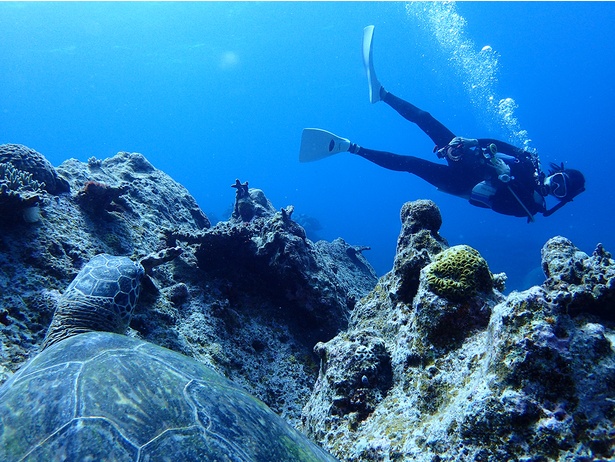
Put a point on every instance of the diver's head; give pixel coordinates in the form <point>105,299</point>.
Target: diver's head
<point>564,183</point>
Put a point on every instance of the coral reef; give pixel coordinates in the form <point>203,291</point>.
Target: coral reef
<point>430,363</point>
<point>475,376</point>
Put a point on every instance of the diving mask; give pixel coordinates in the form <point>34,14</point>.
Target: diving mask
<point>557,185</point>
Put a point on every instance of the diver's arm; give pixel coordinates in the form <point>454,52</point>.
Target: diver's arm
<point>555,208</point>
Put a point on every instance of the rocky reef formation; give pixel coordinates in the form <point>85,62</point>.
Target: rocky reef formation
<point>431,362</point>
<point>437,365</point>
<point>249,297</point>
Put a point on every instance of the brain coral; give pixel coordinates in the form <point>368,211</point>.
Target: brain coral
<point>459,272</point>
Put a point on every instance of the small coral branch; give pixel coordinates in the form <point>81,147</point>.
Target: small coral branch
<point>287,213</point>
<point>243,208</point>
<point>18,190</point>
<point>17,182</point>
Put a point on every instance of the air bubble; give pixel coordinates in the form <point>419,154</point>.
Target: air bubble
<point>477,69</point>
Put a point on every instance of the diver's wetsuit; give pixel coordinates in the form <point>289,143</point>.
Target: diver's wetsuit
<point>459,177</point>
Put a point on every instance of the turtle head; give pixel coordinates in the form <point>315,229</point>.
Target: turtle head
<point>102,297</point>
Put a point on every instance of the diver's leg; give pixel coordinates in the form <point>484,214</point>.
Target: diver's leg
<point>436,174</point>
<point>438,133</point>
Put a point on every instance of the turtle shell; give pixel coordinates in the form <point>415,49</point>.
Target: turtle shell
<point>101,396</point>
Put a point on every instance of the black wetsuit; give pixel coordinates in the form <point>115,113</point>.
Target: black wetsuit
<point>460,177</point>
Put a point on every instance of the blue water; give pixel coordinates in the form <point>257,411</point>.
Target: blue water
<point>210,92</point>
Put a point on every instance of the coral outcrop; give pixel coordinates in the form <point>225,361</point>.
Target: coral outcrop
<point>453,370</point>
<point>418,242</point>
<point>578,281</point>
<point>264,253</point>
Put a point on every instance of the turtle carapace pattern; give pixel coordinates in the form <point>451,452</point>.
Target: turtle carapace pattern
<point>102,396</point>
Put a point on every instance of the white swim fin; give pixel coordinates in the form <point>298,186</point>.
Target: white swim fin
<point>368,62</point>
<point>317,144</point>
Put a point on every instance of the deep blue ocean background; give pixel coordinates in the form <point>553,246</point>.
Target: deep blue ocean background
<point>211,92</point>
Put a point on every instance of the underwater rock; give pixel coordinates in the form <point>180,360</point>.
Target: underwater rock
<point>416,216</point>
<point>315,285</point>
<point>360,380</point>
<point>480,376</point>
<point>417,244</point>
<point>582,283</point>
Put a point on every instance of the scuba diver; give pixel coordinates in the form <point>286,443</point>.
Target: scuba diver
<point>487,172</point>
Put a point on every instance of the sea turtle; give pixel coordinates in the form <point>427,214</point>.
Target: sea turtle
<point>91,395</point>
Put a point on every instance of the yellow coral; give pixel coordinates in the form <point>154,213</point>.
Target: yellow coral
<point>459,272</point>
